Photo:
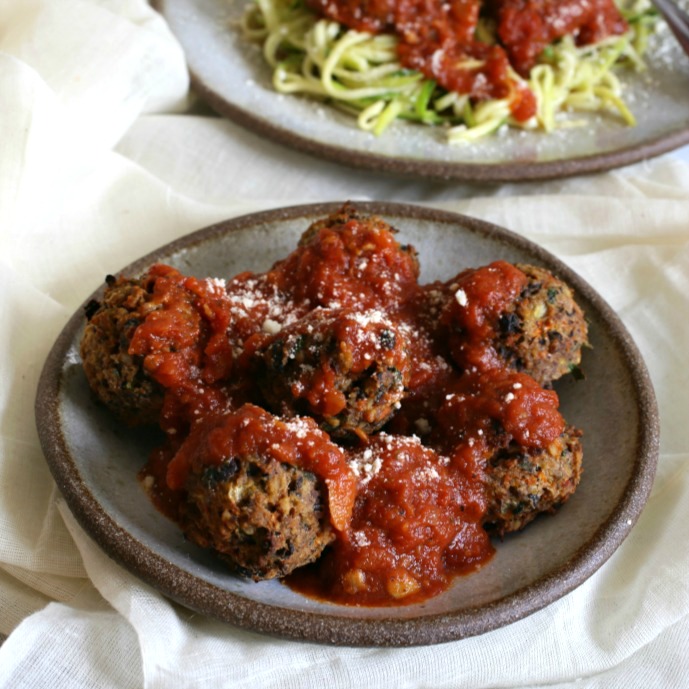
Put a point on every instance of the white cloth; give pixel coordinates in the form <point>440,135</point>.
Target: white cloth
<point>103,158</point>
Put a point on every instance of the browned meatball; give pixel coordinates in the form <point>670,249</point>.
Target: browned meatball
<point>262,492</point>
<point>530,458</point>
<point>118,378</point>
<point>544,333</point>
<point>347,260</point>
<point>265,518</point>
<point>162,336</point>
<point>523,482</point>
<point>346,369</point>
<point>518,316</point>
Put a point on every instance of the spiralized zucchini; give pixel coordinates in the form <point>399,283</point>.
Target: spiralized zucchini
<point>360,73</point>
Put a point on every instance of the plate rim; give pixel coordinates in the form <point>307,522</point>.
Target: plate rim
<point>404,166</point>
<point>209,599</point>
<point>560,168</point>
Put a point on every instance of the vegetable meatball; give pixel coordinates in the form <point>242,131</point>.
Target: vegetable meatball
<point>545,332</point>
<point>263,517</point>
<point>151,340</point>
<point>522,483</point>
<point>265,494</point>
<point>518,316</point>
<point>349,260</point>
<point>346,369</point>
<point>531,458</point>
<point>117,377</point>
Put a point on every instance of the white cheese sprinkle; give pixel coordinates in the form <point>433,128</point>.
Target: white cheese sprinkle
<point>461,297</point>
<point>271,327</point>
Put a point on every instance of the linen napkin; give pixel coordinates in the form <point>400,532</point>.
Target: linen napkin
<point>104,157</point>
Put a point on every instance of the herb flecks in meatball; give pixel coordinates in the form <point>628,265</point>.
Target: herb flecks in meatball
<point>545,333</point>
<point>115,375</point>
<point>154,342</point>
<point>265,494</point>
<point>265,518</point>
<point>345,368</point>
<point>522,483</point>
<point>517,316</point>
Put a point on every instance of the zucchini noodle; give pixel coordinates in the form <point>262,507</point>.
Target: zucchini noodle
<point>360,73</point>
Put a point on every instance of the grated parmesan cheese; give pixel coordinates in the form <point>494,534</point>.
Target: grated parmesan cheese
<point>461,297</point>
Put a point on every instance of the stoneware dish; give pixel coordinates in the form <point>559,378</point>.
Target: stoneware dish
<point>95,461</point>
<point>229,73</point>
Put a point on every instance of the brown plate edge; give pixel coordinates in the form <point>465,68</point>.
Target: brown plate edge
<point>209,599</point>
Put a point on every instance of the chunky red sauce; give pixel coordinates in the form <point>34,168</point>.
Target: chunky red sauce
<point>477,404</point>
<point>479,296</point>
<point>416,524</point>
<point>184,344</point>
<point>438,38</point>
<point>407,502</point>
<point>253,431</point>
<point>526,27</point>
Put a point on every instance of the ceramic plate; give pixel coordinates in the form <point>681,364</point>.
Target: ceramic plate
<point>228,72</point>
<point>94,461</point>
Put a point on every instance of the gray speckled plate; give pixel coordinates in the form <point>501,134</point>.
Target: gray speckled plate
<point>94,461</point>
<point>228,72</point>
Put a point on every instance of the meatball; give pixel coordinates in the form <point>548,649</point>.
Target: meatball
<point>349,260</point>
<point>531,459</point>
<point>265,494</point>
<point>117,377</point>
<point>346,369</point>
<point>263,517</point>
<point>522,483</point>
<point>334,221</point>
<point>521,317</point>
<point>158,341</point>
<point>545,331</point>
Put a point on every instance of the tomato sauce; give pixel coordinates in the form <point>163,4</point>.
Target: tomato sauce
<point>479,296</point>
<point>407,502</point>
<point>184,345</point>
<point>416,524</point>
<point>526,27</point>
<point>438,38</point>
<point>354,264</point>
<point>498,403</point>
